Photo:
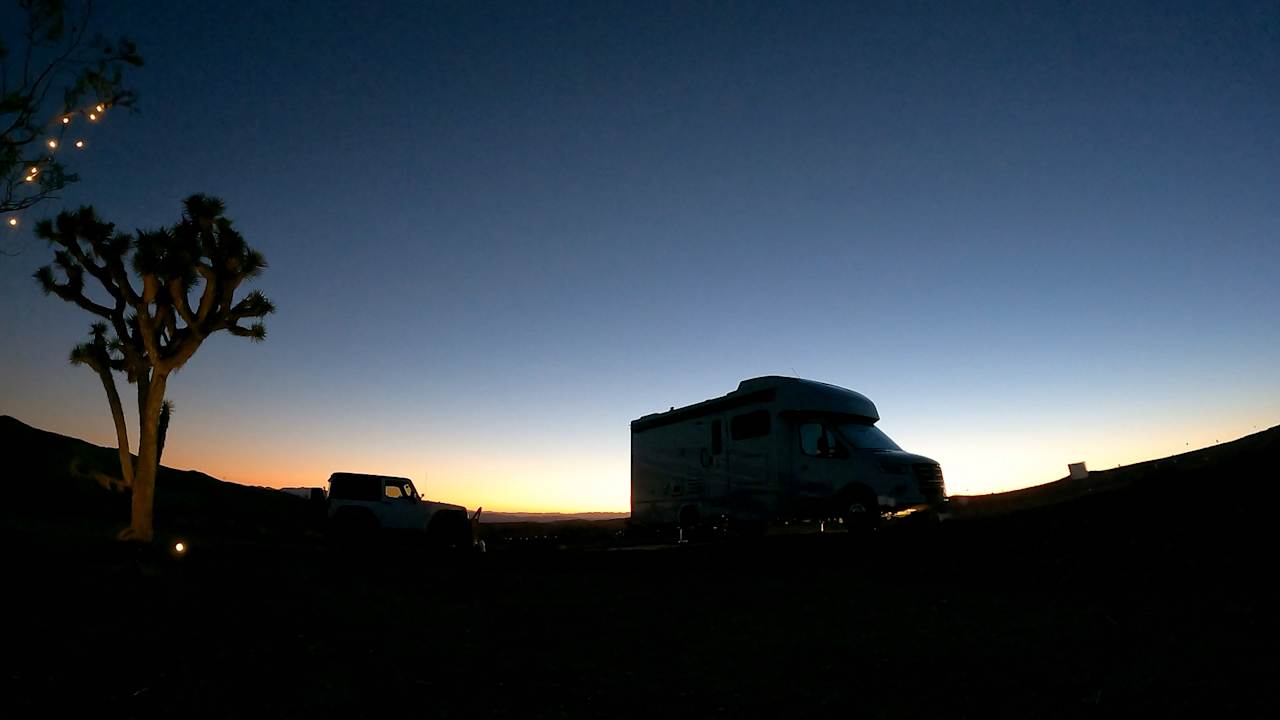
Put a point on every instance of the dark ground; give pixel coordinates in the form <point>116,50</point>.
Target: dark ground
<point>1151,597</point>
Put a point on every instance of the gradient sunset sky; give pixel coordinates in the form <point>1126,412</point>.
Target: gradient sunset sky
<point>1033,233</point>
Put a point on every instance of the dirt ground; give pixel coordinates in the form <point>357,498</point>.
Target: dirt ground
<point>1147,591</point>
<point>1042,615</point>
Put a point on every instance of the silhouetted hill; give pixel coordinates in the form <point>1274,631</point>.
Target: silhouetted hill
<point>59,483</point>
<point>1222,475</point>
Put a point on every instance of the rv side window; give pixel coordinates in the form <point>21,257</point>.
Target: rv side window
<point>818,440</point>
<point>749,425</point>
<point>717,437</point>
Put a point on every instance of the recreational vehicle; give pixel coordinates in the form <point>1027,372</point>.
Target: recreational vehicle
<point>775,449</point>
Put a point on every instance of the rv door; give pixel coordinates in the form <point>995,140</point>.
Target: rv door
<point>821,463</point>
<point>752,493</point>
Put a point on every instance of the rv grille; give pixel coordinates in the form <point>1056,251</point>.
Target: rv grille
<point>929,480</point>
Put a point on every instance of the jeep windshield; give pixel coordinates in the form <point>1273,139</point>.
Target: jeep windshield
<point>865,437</point>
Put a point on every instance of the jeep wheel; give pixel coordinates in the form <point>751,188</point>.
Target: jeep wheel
<point>450,529</point>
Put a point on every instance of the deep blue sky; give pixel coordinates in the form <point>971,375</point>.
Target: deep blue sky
<point>1033,233</point>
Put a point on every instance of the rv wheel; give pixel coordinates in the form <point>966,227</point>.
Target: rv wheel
<point>688,522</point>
<point>860,512</point>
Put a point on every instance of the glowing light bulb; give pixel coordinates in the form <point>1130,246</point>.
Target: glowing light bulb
<point>33,170</point>
<point>66,119</point>
<point>179,547</point>
<point>93,116</point>
<point>53,144</point>
<point>79,143</point>
<point>100,107</point>
<point>13,222</point>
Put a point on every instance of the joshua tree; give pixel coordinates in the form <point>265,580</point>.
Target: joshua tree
<point>156,325</point>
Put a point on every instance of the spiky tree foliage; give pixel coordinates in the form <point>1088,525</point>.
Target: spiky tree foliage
<point>166,414</point>
<point>161,292</point>
<point>50,69</point>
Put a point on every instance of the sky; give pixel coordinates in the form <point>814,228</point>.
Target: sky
<point>1033,233</point>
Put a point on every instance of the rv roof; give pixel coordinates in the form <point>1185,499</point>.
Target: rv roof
<point>775,381</point>
<point>788,392</point>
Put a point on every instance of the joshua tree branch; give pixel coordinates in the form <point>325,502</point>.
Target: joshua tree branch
<point>99,272</point>
<point>183,304</point>
<point>146,324</point>
<point>71,292</point>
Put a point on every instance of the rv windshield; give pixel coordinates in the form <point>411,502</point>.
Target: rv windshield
<point>866,437</point>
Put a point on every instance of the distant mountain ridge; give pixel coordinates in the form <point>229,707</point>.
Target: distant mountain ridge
<point>547,517</point>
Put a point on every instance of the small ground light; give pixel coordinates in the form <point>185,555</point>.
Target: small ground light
<point>13,222</point>
<point>66,119</point>
<point>53,144</point>
<point>179,547</point>
<point>79,143</point>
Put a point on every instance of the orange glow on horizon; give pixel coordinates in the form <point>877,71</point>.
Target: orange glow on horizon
<point>561,472</point>
<point>550,483</point>
<point>556,486</point>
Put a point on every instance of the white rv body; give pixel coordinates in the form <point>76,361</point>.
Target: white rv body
<point>776,448</point>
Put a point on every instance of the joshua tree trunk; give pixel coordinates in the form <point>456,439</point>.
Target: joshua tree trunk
<point>144,479</point>
<point>122,430</point>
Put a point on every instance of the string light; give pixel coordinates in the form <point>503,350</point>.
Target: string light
<point>54,144</point>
